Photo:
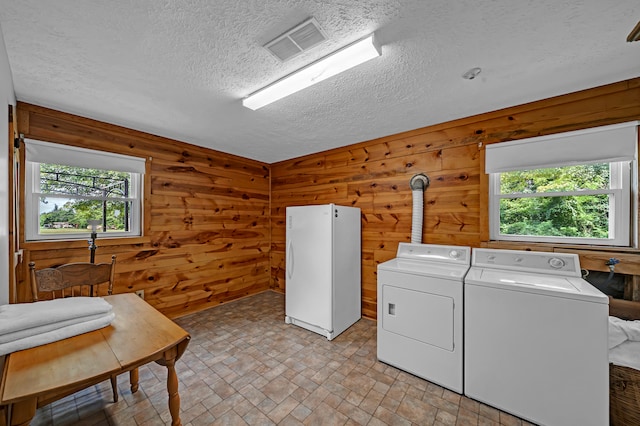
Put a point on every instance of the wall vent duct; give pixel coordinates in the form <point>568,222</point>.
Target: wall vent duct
<point>298,39</point>
<point>419,184</point>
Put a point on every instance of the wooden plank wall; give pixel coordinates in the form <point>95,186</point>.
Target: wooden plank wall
<point>375,175</point>
<point>207,230</point>
<point>209,223</point>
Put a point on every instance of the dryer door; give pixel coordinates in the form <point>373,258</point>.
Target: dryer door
<point>423,316</point>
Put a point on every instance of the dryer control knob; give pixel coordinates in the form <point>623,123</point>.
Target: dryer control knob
<point>556,263</point>
<point>454,254</point>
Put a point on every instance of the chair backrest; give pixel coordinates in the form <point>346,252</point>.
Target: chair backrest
<point>72,279</point>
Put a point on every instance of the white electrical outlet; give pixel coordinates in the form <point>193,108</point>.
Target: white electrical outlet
<point>140,294</point>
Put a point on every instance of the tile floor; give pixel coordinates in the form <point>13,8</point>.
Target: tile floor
<point>245,366</point>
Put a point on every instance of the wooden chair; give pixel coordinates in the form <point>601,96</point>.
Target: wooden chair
<point>75,279</point>
<point>72,279</point>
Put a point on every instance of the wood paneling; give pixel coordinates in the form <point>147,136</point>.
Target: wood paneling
<point>215,223</point>
<point>375,175</point>
<point>207,236</point>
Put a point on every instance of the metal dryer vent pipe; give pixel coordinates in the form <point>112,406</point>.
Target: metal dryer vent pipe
<point>418,183</point>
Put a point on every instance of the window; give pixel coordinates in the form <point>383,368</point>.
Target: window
<point>580,204</point>
<point>67,186</point>
<point>573,187</point>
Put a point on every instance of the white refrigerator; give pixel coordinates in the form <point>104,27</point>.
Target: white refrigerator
<point>323,267</point>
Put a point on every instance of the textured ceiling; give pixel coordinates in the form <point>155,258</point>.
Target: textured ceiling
<point>180,69</point>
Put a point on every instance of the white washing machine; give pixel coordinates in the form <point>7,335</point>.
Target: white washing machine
<point>420,308</point>
<point>536,338</point>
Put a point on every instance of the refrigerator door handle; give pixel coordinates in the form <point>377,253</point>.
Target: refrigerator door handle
<point>290,260</point>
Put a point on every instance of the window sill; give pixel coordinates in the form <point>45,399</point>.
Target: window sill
<point>528,245</point>
<point>100,242</point>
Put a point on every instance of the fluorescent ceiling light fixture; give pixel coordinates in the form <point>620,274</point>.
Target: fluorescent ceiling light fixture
<point>347,57</point>
<point>634,35</point>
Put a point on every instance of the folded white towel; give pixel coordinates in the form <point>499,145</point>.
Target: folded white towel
<point>57,334</point>
<point>22,316</point>
<point>616,333</point>
<point>34,331</point>
<point>621,331</point>
<point>626,354</point>
<point>632,328</point>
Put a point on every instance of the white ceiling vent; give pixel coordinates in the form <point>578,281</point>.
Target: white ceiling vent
<point>298,39</point>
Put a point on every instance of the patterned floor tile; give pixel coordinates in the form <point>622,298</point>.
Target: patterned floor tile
<point>245,366</point>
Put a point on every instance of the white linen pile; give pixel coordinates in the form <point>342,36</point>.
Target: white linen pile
<point>624,342</point>
<point>26,325</point>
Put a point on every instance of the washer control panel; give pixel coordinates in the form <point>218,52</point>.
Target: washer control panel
<point>435,253</point>
<point>567,264</point>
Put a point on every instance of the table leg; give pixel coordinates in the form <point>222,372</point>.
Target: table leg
<point>174,397</point>
<point>133,380</point>
<point>169,359</point>
<point>114,387</point>
<point>22,412</point>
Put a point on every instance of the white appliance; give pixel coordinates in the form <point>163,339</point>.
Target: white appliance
<point>323,268</point>
<point>420,308</point>
<point>536,338</point>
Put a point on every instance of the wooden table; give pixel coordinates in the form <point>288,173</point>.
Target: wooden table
<point>138,335</point>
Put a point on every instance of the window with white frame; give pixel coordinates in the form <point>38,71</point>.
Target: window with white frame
<point>574,187</point>
<point>66,187</point>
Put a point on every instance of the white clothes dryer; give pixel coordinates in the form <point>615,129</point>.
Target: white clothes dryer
<point>536,338</point>
<point>420,308</point>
